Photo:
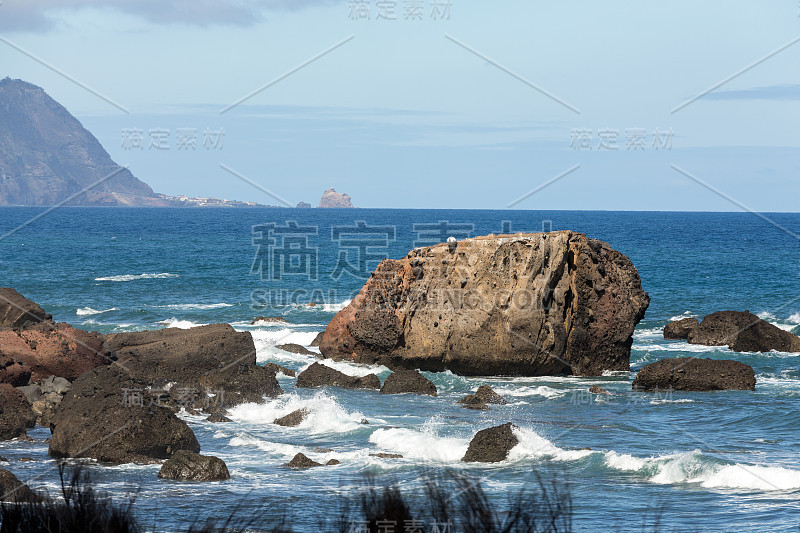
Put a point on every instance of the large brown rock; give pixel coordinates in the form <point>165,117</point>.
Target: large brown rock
<point>13,490</point>
<point>17,312</point>
<point>16,415</point>
<point>691,374</point>
<point>319,375</point>
<point>108,416</point>
<point>189,466</point>
<point>49,349</point>
<point>491,445</point>
<point>213,359</point>
<point>525,304</point>
<point>743,331</point>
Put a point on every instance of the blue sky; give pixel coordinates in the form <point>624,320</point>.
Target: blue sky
<point>477,110</point>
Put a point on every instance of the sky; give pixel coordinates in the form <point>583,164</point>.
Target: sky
<point>432,103</point>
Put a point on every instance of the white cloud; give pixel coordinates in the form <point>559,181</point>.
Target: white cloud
<point>42,15</point>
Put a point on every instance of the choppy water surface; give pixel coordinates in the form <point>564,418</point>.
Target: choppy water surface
<point>711,461</point>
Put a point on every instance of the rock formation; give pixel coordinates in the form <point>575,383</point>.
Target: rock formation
<point>741,331</point>
<point>213,359</point>
<point>189,466</point>
<point>491,445</point>
<point>331,198</point>
<point>525,304</point>
<point>108,417</point>
<point>49,349</point>
<point>295,348</point>
<point>17,312</point>
<point>408,381</point>
<point>47,157</point>
<point>13,490</point>
<point>16,415</point>
<point>483,395</point>
<point>295,418</point>
<point>301,461</point>
<point>319,375</point>
<point>691,374</point>
<point>680,329</point>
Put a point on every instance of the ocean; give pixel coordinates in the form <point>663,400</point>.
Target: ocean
<point>721,461</point>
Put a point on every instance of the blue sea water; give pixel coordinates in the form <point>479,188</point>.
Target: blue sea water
<point>723,461</point>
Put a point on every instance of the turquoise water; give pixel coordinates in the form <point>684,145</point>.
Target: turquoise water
<point>711,461</point>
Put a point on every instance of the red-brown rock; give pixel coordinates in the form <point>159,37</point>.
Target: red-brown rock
<point>55,350</point>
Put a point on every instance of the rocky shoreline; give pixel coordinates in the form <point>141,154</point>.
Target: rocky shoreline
<point>115,398</point>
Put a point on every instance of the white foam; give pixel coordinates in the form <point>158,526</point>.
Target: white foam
<point>132,277</point>
<point>265,341</point>
<point>693,467</point>
<point>522,391</point>
<point>686,314</point>
<point>194,307</point>
<point>178,323</point>
<point>335,308</point>
<point>325,414</point>
<point>532,445</point>
<point>795,318</point>
<point>424,444</point>
<point>351,369</point>
<point>88,311</point>
<point>681,400</point>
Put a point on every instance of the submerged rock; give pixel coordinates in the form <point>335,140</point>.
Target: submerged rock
<point>386,455</point>
<point>295,418</point>
<point>491,445</point>
<point>295,348</point>
<point>483,395</point>
<point>108,417</point>
<point>189,466</point>
<point>596,389</point>
<point>692,374</point>
<point>525,304</point>
<point>319,375</point>
<point>412,381</point>
<point>258,319</point>
<point>301,461</point>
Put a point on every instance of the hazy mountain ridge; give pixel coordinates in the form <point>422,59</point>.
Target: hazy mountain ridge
<point>47,156</point>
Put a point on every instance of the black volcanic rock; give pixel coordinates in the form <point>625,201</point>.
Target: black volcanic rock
<point>691,374</point>
<point>491,445</point>
<point>189,466</point>
<point>47,157</point>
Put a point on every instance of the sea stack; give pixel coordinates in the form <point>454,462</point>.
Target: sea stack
<point>525,304</point>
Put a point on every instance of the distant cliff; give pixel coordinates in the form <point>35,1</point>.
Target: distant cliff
<point>47,157</point>
<point>331,198</point>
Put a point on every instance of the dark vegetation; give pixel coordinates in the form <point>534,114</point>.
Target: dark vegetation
<point>451,502</point>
